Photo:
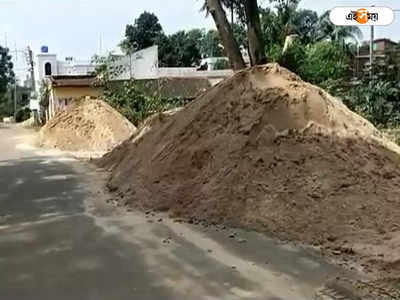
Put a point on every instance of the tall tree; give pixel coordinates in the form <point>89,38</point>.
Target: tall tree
<point>286,11</point>
<point>6,70</point>
<point>142,33</point>
<point>196,36</point>
<point>7,77</point>
<point>179,49</point>
<point>328,31</point>
<point>254,33</point>
<point>305,22</point>
<point>210,46</point>
<point>231,47</point>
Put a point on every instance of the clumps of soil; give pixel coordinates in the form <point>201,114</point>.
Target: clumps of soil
<point>265,150</point>
<point>88,125</point>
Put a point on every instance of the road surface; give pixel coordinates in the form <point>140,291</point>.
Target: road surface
<point>60,240</point>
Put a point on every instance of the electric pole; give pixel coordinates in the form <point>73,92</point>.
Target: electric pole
<point>371,52</point>
<point>31,67</point>
<point>15,86</point>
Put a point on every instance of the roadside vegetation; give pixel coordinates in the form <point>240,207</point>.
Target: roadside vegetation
<point>298,39</point>
<point>132,99</point>
<point>7,78</point>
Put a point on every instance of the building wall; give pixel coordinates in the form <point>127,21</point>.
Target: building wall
<point>42,59</point>
<point>68,69</point>
<point>62,97</point>
<point>139,65</point>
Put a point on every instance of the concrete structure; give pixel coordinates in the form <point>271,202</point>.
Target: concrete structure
<point>213,77</point>
<point>65,89</point>
<point>48,64</point>
<point>381,47</point>
<point>211,62</point>
<point>140,65</point>
<point>71,79</point>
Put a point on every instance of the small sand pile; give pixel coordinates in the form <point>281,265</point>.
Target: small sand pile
<point>267,151</point>
<point>88,125</point>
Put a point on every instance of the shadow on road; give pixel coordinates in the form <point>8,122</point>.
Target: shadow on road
<point>50,250</point>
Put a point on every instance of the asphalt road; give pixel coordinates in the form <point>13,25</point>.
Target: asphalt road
<point>59,240</point>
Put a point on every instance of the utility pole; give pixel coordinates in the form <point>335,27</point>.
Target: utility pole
<point>31,67</point>
<point>15,87</point>
<point>371,51</point>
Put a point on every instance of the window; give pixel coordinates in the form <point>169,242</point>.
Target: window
<point>47,69</point>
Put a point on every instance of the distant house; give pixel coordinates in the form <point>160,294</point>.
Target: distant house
<point>71,79</point>
<point>64,89</point>
<point>380,49</point>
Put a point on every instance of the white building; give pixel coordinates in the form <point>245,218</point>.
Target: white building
<point>141,65</point>
<point>48,64</point>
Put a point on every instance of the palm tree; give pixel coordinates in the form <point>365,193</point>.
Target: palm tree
<point>342,34</point>
<point>286,20</point>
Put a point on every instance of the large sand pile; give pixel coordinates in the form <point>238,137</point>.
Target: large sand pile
<point>88,125</point>
<point>265,150</point>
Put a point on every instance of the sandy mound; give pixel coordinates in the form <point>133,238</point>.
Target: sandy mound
<point>265,150</point>
<point>88,125</point>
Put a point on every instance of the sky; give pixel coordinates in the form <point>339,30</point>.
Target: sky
<point>75,27</point>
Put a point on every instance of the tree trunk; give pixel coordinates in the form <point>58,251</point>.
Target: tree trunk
<point>226,33</point>
<point>254,33</point>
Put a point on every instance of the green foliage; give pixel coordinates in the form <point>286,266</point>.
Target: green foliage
<point>240,34</point>
<point>6,70</point>
<point>142,34</point>
<point>23,114</point>
<point>378,98</point>
<point>378,101</point>
<point>288,19</point>
<point>210,44</point>
<point>305,24</point>
<point>6,79</point>
<point>136,103</point>
<point>342,34</point>
<point>324,61</point>
<point>6,105</point>
<point>131,99</point>
<point>221,64</point>
<point>294,58</point>
<point>44,94</point>
<point>180,49</point>
<point>274,53</point>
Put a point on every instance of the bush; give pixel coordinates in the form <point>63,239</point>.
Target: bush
<point>324,61</point>
<point>136,104</point>
<point>377,100</point>
<point>294,57</point>
<point>221,64</point>
<point>22,115</point>
<point>131,99</point>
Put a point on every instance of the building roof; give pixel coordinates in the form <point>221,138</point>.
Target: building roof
<point>72,80</point>
<point>366,43</point>
<point>384,40</point>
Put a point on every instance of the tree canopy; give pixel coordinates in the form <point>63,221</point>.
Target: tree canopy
<point>142,34</point>
<point>6,78</point>
<point>181,49</point>
<point>258,28</point>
